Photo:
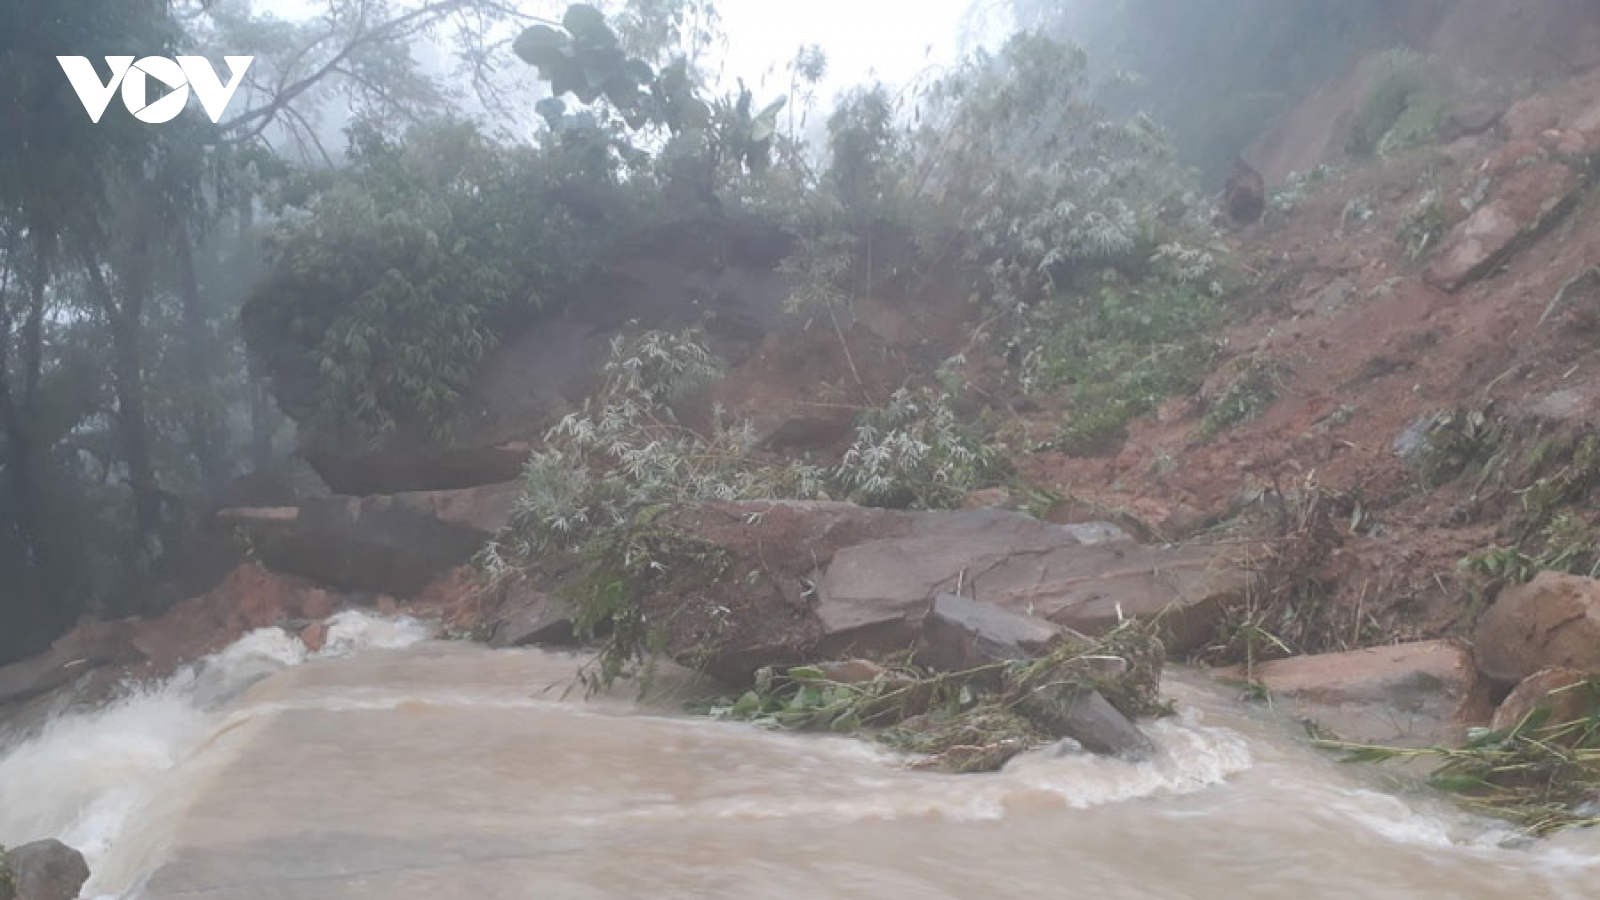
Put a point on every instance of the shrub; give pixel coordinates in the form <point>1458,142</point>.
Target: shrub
<point>626,450</point>
<point>1401,111</point>
<point>387,276</point>
<point>913,453</point>
<point>1120,351</point>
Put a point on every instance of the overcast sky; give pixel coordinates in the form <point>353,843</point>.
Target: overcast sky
<point>892,40</point>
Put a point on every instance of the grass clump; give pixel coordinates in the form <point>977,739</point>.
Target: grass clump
<point>1287,197</point>
<point>1459,442</point>
<point>1256,387</point>
<point>1566,544</point>
<point>970,721</point>
<point>1120,351</point>
<point>1401,111</point>
<point>1423,227</point>
<point>1542,775</point>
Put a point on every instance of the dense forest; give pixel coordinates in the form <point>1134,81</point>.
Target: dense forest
<point>188,304</point>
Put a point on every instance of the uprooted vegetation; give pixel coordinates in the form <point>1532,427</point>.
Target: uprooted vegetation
<point>1541,773</point>
<point>960,722</point>
<point>1535,479</point>
<point>608,472</point>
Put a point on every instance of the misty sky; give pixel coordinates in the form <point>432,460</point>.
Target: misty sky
<point>887,39</point>
<point>890,39</point>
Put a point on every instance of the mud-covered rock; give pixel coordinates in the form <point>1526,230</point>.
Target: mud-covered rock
<point>1530,200</point>
<point>1563,694</point>
<point>46,870</point>
<point>528,617</point>
<point>1552,621</point>
<point>1417,694</point>
<point>250,597</point>
<point>394,544</point>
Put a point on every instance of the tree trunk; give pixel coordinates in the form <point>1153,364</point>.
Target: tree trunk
<point>203,422</point>
<point>42,595</point>
<point>133,430</point>
<point>262,456</point>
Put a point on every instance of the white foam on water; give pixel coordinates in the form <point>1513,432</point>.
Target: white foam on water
<point>87,774</point>
<point>846,780</point>
<point>353,631</point>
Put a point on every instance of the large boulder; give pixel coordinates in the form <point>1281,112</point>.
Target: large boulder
<point>716,272</point>
<point>394,544</point>
<point>1552,621</point>
<point>1086,577</point>
<point>1417,694</point>
<point>46,870</point>
<point>802,581</point>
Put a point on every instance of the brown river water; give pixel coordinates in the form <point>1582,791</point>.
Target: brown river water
<point>389,768</point>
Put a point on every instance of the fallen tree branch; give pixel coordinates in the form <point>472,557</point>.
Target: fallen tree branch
<point>1589,276</point>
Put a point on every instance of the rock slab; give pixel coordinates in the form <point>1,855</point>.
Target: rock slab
<point>961,634</point>
<point>805,580</point>
<point>1414,694</point>
<point>395,544</point>
<point>1531,200</point>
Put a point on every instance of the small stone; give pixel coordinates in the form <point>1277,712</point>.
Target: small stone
<point>315,637</point>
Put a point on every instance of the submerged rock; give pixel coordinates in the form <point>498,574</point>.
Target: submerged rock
<point>1059,697</point>
<point>45,870</point>
<point>1068,711</point>
<point>1416,694</point>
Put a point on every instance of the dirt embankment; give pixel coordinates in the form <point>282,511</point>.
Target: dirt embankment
<point>1396,291</point>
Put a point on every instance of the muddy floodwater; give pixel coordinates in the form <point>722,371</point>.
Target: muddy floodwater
<point>392,767</point>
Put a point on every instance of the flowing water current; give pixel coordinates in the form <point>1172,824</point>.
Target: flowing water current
<point>390,767</point>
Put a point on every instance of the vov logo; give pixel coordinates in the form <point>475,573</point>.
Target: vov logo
<point>134,77</point>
